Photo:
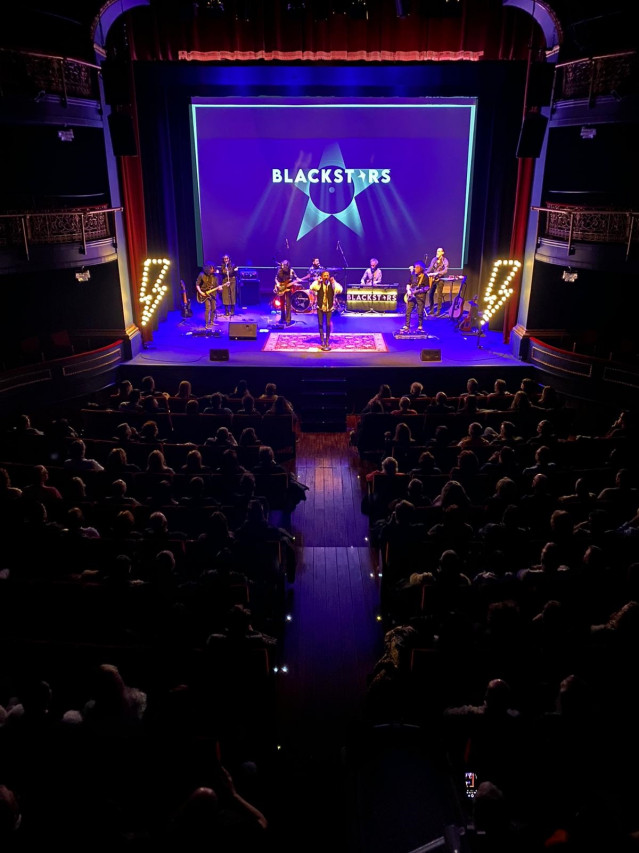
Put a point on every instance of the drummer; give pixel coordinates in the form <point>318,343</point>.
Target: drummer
<point>373,275</point>
<point>314,271</point>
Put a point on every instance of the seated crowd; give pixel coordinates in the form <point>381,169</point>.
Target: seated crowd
<point>144,589</point>
<point>138,556</point>
<point>508,562</point>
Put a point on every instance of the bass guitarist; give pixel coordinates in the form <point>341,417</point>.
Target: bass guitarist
<point>206,287</point>
<point>284,282</point>
<point>436,271</point>
<point>416,291</point>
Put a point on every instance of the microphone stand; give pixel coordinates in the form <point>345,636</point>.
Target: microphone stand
<point>345,265</point>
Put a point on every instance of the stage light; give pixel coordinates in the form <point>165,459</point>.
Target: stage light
<point>66,135</point>
<point>569,275</point>
<point>150,298</point>
<point>83,274</point>
<point>243,12</point>
<point>588,132</point>
<point>212,7</point>
<point>358,10</point>
<point>497,292</point>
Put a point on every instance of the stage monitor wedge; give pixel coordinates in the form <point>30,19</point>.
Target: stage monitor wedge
<point>431,355</point>
<point>218,355</point>
<point>243,331</point>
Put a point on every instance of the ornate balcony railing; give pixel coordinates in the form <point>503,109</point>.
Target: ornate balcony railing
<point>612,75</point>
<point>37,74</point>
<point>576,223</point>
<point>71,225</point>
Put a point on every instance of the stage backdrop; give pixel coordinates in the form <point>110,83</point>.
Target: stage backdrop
<point>340,179</point>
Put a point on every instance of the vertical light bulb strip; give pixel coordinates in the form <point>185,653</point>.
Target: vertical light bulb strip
<point>151,296</point>
<point>499,287</point>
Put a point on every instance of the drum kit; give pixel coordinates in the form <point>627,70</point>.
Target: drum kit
<point>304,301</point>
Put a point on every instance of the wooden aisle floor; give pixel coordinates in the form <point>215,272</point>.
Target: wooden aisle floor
<point>333,640</point>
<point>329,649</point>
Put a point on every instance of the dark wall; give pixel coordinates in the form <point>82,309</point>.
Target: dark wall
<point>58,174</point>
<point>590,302</point>
<point>602,170</point>
<point>39,303</point>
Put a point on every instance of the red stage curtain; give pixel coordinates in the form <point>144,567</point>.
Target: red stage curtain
<point>525,173</point>
<point>483,28</point>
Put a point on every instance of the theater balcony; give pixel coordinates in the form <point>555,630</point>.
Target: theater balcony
<point>38,87</point>
<point>588,234</point>
<point>66,237</point>
<point>597,88</point>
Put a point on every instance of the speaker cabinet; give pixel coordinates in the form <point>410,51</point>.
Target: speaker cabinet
<point>219,355</point>
<point>250,291</point>
<point>243,331</point>
<point>122,135</point>
<point>116,80</point>
<point>431,355</point>
<point>540,83</point>
<point>531,136</point>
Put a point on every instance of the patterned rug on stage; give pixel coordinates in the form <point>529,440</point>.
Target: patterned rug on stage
<point>309,342</point>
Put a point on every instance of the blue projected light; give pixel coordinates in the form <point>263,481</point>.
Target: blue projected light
<point>275,178</point>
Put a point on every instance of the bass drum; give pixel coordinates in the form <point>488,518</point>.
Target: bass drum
<point>302,301</point>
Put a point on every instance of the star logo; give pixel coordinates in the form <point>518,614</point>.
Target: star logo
<point>332,190</point>
<point>338,200</point>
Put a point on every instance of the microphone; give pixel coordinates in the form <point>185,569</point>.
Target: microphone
<point>287,246</point>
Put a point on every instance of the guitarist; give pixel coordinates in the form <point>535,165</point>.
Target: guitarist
<point>206,287</point>
<point>436,271</point>
<point>416,291</point>
<point>284,281</point>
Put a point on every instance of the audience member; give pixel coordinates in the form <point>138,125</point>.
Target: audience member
<point>474,440</point>
<point>240,390</point>
<point>118,463</point>
<point>77,460</point>
<point>383,394</point>
<point>215,405</point>
<point>500,397</point>
<point>440,405</point>
<point>248,438</point>
<point>404,407</point>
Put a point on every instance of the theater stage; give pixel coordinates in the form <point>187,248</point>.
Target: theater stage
<point>181,348</point>
<point>372,340</point>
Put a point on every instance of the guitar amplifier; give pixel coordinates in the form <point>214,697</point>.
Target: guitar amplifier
<point>377,299</point>
<point>247,275</point>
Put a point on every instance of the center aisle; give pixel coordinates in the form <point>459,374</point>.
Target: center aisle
<point>332,642</point>
<point>333,639</point>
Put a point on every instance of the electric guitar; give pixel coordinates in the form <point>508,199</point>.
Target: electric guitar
<point>284,286</point>
<point>470,322</point>
<point>412,292</point>
<point>209,291</point>
<point>186,302</point>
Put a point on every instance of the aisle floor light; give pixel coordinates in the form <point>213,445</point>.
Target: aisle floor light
<point>152,295</point>
<point>499,287</point>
